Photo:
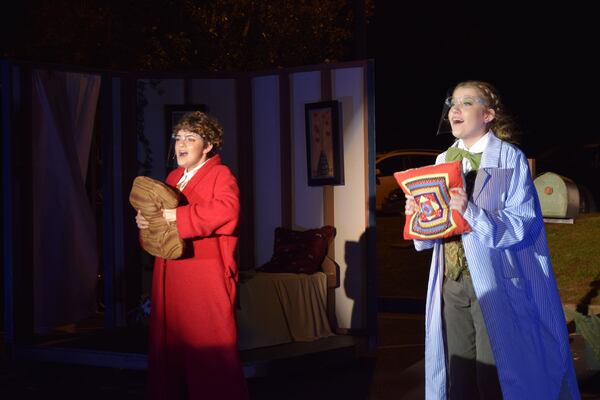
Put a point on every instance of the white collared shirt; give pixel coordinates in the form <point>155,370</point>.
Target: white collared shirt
<point>187,176</point>
<point>478,147</point>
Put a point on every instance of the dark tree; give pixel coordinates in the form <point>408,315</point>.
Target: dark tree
<point>186,34</point>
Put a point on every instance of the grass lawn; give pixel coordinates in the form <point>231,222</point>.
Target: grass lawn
<point>574,249</point>
<point>575,254</point>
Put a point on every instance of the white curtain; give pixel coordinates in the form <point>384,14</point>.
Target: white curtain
<point>65,253</point>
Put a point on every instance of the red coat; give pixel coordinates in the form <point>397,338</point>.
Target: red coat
<point>193,338</point>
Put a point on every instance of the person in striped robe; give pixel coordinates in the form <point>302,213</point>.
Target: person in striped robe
<point>495,326</point>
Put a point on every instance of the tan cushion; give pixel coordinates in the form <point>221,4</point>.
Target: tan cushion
<point>151,196</point>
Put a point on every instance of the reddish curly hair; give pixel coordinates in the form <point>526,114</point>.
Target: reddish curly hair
<point>207,127</point>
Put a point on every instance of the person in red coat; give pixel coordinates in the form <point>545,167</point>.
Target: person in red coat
<point>193,337</point>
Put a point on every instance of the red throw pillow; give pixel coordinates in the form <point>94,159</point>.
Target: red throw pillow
<point>430,186</point>
<point>299,251</point>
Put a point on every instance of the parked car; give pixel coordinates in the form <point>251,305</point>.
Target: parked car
<point>387,198</point>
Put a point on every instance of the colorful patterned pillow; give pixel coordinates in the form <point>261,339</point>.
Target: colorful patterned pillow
<point>299,251</point>
<point>430,186</point>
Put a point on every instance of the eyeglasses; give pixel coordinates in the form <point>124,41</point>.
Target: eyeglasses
<point>464,102</point>
<point>187,139</point>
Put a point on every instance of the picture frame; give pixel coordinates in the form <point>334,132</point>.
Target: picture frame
<point>173,113</point>
<point>324,153</point>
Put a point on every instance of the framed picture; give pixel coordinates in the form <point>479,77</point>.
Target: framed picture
<point>324,153</point>
<point>173,113</point>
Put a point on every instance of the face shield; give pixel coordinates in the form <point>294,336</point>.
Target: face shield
<point>187,139</point>
<point>171,161</point>
<point>462,103</point>
<point>444,126</point>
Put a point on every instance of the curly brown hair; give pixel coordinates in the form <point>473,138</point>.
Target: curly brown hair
<point>204,125</point>
<point>503,123</point>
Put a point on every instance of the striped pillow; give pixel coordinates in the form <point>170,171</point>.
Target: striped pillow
<point>151,196</point>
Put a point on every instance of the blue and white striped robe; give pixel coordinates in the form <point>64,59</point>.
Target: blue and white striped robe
<point>513,278</point>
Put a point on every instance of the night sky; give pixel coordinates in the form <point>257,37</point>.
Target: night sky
<point>539,60</point>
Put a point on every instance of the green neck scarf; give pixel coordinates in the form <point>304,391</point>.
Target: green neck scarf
<point>454,153</point>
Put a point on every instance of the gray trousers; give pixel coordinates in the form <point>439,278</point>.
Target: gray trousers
<point>470,362</point>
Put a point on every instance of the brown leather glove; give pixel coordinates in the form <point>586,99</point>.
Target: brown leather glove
<point>151,196</point>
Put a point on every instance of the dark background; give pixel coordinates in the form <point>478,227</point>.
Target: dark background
<point>542,60</point>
